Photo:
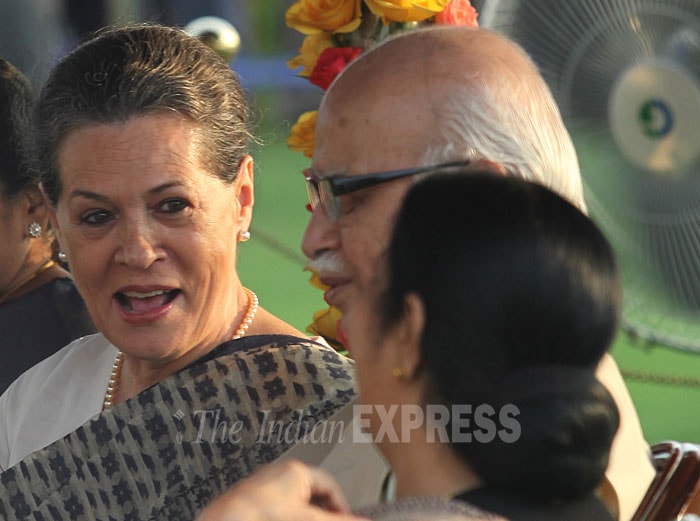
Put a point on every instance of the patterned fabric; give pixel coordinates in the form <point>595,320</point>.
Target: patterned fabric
<point>165,453</point>
<point>427,509</point>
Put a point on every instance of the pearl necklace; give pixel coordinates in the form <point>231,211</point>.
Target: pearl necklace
<point>115,375</point>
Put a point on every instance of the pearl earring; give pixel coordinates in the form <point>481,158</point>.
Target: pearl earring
<point>243,236</point>
<point>63,257</point>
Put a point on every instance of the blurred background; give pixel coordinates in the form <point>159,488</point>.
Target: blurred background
<point>664,380</point>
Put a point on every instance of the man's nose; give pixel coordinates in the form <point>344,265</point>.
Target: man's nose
<point>321,234</point>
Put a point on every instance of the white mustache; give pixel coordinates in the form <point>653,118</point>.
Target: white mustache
<point>328,262</point>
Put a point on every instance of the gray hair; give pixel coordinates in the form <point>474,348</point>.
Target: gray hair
<point>510,118</point>
<point>136,71</point>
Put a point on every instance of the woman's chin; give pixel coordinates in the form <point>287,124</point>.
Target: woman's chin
<point>152,335</point>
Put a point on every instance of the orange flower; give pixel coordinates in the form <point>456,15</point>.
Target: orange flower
<point>458,12</point>
<point>302,136</point>
<point>406,10</point>
<point>313,16</point>
<point>311,48</point>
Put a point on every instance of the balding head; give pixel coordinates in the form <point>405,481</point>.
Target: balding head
<point>458,93</point>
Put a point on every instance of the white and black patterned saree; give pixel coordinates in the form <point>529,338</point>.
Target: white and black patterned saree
<point>165,453</point>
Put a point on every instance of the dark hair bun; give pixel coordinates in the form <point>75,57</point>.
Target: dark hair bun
<point>567,423</point>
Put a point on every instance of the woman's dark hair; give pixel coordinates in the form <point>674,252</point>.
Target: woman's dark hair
<point>137,71</point>
<point>16,99</point>
<point>522,299</point>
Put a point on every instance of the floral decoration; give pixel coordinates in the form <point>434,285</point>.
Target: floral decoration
<point>313,16</point>
<point>326,321</point>
<point>337,32</point>
<point>330,62</point>
<point>302,135</point>
<point>406,10</point>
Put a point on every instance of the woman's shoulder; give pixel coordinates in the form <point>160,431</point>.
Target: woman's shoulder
<point>83,351</point>
<point>71,308</point>
<point>277,366</point>
<point>75,362</point>
<point>312,352</point>
<point>289,346</point>
<point>54,397</point>
<point>433,508</point>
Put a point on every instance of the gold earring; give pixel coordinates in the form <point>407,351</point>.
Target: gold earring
<point>243,236</point>
<point>397,372</point>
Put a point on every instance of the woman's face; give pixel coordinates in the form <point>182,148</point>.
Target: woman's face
<point>151,236</point>
<point>379,349</point>
<point>373,349</point>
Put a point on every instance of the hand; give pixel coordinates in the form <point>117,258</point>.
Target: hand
<point>286,491</point>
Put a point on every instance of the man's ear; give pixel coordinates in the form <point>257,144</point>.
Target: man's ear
<point>245,191</point>
<point>488,166</point>
<point>408,335</point>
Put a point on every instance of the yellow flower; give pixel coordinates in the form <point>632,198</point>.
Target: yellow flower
<point>310,50</point>
<point>325,321</point>
<point>302,136</point>
<point>313,16</point>
<point>325,324</point>
<point>315,281</point>
<point>406,10</point>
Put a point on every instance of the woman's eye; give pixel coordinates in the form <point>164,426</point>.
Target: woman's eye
<point>96,217</point>
<point>173,205</point>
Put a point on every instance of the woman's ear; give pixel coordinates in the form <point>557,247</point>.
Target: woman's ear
<point>51,211</point>
<point>409,332</point>
<point>245,191</point>
<point>36,207</point>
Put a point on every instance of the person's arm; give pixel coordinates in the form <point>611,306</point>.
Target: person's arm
<point>285,491</point>
<point>630,469</point>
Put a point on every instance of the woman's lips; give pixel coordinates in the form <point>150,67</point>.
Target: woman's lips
<point>139,306</point>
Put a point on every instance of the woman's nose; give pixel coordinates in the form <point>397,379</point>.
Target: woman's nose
<point>138,246</point>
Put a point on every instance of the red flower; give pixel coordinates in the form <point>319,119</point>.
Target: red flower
<point>331,61</point>
<point>458,12</point>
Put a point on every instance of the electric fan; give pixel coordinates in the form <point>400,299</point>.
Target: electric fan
<point>626,75</point>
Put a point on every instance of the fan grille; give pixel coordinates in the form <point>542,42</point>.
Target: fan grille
<point>626,75</point>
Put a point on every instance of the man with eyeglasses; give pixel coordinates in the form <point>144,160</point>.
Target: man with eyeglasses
<point>428,101</point>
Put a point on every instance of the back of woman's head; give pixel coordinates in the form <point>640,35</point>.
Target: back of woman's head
<point>522,299</point>
<point>16,98</point>
<point>137,71</point>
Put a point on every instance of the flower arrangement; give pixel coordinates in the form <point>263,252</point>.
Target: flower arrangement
<point>337,32</point>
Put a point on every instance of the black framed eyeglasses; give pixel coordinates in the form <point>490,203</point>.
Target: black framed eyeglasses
<point>328,190</point>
